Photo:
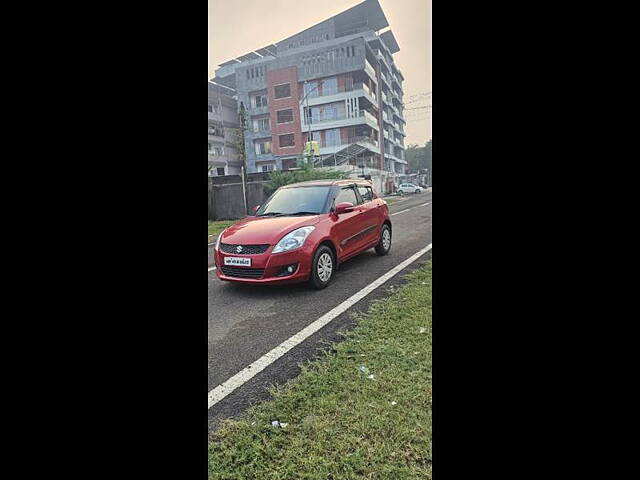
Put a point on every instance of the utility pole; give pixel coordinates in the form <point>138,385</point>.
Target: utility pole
<point>307,111</point>
<point>244,191</point>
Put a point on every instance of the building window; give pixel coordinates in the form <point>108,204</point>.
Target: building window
<point>209,147</point>
<point>268,168</point>
<point>220,172</point>
<point>284,116</point>
<point>263,147</point>
<point>215,130</point>
<point>330,86</point>
<point>286,140</point>
<point>311,89</point>
<point>332,137</point>
<point>259,101</point>
<point>283,91</point>
<point>261,125</point>
<point>210,108</point>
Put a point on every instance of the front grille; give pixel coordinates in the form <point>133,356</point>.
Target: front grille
<point>246,249</point>
<point>242,272</point>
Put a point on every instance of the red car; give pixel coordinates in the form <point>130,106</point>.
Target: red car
<point>303,232</point>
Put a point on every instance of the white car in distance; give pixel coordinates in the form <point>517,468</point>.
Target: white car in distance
<point>408,188</point>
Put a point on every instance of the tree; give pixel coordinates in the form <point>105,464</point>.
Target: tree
<point>418,158</point>
<point>303,173</point>
<point>238,140</point>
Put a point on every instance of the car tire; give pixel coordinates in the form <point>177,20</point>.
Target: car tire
<point>322,260</point>
<point>418,190</point>
<point>384,244</point>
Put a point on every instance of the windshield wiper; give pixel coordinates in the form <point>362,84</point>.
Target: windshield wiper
<point>302,213</point>
<point>271,214</point>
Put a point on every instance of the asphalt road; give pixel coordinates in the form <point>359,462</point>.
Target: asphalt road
<point>247,321</point>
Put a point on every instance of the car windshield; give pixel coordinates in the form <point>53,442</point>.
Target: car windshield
<point>295,201</point>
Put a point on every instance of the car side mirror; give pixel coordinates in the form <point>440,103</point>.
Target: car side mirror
<point>344,207</point>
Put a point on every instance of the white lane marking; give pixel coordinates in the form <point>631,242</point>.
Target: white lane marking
<point>268,358</point>
<point>212,268</point>
<point>210,244</point>
<point>401,211</point>
<point>425,204</point>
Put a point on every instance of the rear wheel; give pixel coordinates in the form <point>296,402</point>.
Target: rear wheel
<point>418,190</point>
<point>384,244</point>
<point>322,268</point>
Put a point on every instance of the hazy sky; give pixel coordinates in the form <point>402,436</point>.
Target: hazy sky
<point>238,27</point>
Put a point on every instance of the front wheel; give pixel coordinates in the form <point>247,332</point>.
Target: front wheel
<point>322,268</point>
<point>384,244</point>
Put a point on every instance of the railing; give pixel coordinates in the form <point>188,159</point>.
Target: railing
<point>349,141</point>
<point>261,129</point>
<point>369,68</point>
<point>360,114</point>
<point>341,89</point>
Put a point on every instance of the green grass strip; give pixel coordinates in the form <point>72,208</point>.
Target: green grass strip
<point>340,423</point>
<point>215,228</point>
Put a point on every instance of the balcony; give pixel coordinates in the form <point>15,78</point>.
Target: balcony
<point>370,71</point>
<point>385,81</point>
<point>342,93</point>
<point>259,110</point>
<point>382,58</point>
<point>364,141</point>
<point>216,134</point>
<point>362,116</point>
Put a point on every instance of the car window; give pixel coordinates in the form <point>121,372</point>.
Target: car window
<point>366,193</point>
<point>347,194</point>
<point>287,201</point>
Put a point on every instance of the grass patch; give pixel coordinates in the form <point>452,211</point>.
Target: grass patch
<point>217,227</point>
<point>340,423</point>
<point>392,200</point>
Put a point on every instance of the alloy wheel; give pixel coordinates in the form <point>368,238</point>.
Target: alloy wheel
<point>325,267</point>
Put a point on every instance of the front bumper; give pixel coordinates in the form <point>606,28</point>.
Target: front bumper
<point>271,264</point>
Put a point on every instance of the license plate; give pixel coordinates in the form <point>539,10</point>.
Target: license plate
<point>238,261</point>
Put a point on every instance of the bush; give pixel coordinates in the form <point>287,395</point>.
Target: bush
<point>306,173</point>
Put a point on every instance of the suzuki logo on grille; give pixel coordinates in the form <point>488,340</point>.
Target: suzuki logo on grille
<point>239,248</point>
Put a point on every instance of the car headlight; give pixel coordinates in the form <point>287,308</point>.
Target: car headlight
<point>293,240</point>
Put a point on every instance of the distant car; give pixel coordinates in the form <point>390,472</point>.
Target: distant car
<point>409,188</point>
<point>302,232</point>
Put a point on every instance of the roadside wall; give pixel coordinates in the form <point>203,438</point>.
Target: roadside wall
<point>226,201</point>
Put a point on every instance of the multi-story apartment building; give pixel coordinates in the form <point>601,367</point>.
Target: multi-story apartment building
<point>223,127</point>
<point>335,82</point>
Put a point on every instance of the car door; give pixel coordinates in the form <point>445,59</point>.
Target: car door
<point>348,226</point>
<point>371,214</point>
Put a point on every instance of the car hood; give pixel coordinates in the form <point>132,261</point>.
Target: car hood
<point>263,230</point>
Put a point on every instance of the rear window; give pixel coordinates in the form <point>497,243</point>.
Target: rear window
<point>366,193</point>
